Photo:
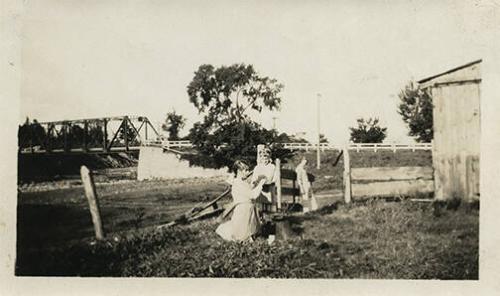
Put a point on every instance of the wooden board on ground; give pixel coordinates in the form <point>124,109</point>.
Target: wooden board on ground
<point>391,173</point>
<point>393,188</point>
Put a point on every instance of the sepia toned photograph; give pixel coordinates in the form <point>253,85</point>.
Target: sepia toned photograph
<point>250,140</point>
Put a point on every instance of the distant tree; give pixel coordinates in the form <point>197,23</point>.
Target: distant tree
<point>323,139</point>
<point>23,134</point>
<point>224,96</point>
<point>95,134</point>
<point>416,109</point>
<point>368,131</point>
<point>286,138</point>
<point>173,124</point>
<point>33,133</point>
<point>75,136</point>
<point>131,136</point>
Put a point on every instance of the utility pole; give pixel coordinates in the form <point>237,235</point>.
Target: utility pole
<point>318,157</point>
<point>274,122</point>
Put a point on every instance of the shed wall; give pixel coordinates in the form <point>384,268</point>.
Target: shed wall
<point>456,140</point>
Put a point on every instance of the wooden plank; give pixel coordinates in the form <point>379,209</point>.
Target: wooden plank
<point>290,191</point>
<point>90,193</point>
<point>391,173</point>
<point>347,176</point>
<point>392,188</point>
<point>289,174</point>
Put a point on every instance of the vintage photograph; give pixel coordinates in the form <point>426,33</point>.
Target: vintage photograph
<point>263,140</point>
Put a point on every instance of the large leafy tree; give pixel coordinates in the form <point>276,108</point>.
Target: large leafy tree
<point>368,131</point>
<point>226,96</point>
<point>173,124</point>
<point>416,109</point>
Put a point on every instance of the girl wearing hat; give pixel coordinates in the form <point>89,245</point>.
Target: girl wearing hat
<point>244,222</point>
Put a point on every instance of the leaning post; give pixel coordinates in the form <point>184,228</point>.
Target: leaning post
<point>347,175</point>
<point>90,193</point>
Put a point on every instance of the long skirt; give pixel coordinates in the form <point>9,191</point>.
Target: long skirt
<point>243,224</point>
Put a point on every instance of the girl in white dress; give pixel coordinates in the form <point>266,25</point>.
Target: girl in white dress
<point>244,222</point>
<point>305,185</point>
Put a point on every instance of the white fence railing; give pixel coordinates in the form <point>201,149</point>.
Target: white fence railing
<point>323,146</point>
<point>359,146</point>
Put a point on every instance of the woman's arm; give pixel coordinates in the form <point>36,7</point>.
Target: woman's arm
<point>258,188</point>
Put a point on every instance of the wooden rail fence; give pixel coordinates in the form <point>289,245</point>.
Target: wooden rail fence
<point>385,181</point>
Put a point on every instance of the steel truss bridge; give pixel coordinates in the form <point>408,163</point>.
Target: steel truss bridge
<point>95,135</point>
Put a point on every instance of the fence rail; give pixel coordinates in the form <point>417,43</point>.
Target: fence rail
<point>292,146</point>
<point>323,146</point>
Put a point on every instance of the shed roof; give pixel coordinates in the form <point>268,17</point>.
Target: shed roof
<point>470,72</point>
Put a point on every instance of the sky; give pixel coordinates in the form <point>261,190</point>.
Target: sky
<point>86,59</point>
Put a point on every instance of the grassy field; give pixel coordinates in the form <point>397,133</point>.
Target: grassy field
<point>56,217</point>
<point>377,239</point>
<point>373,239</point>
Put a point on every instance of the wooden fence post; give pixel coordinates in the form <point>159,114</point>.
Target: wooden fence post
<point>89,186</point>
<point>278,183</point>
<point>347,176</point>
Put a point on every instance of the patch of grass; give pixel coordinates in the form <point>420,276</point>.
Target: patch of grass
<point>376,239</point>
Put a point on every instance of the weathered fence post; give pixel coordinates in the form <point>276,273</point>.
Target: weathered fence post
<point>278,183</point>
<point>347,175</point>
<point>89,186</point>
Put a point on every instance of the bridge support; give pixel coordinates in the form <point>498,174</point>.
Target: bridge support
<point>105,135</point>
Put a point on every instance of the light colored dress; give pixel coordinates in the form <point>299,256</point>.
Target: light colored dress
<point>244,221</point>
<point>305,186</point>
<point>269,172</point>
<point>303,181</point>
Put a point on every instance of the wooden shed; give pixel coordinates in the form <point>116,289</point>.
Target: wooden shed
<point>456,99</point>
